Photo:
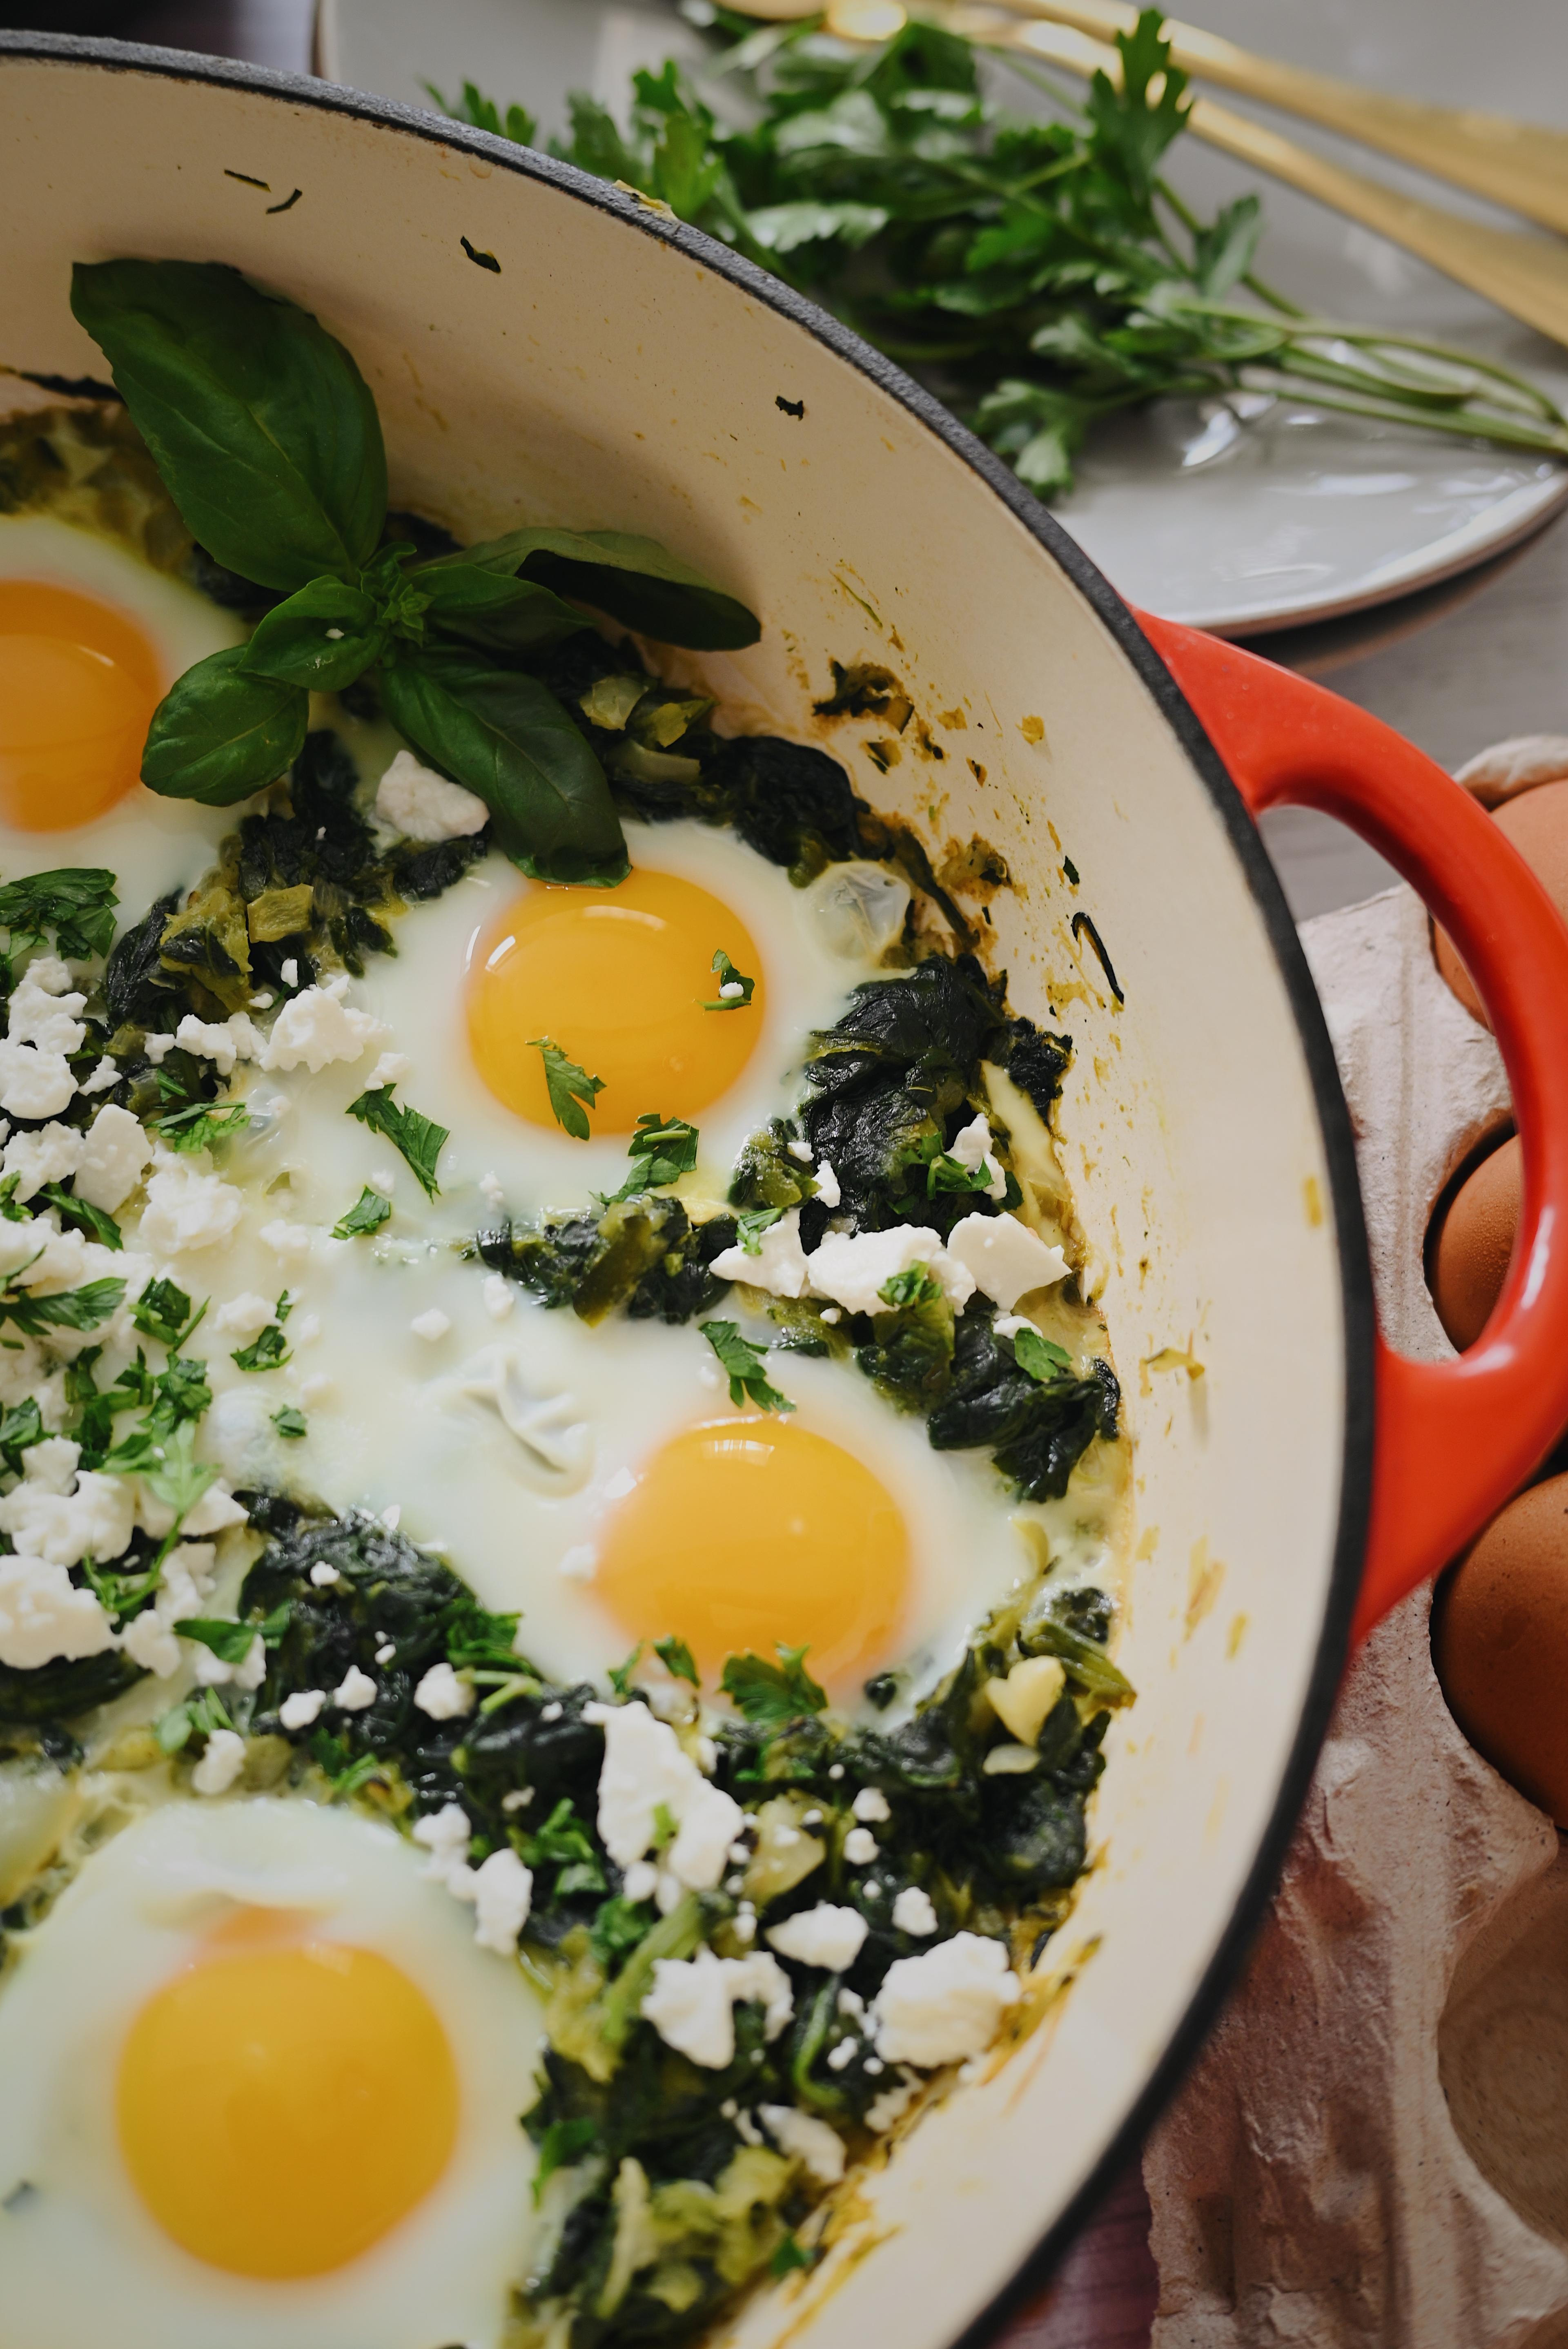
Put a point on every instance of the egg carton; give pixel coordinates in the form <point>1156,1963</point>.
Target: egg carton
<point>1372,2150</point>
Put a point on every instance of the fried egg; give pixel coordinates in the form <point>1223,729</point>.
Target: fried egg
<point>91,639</point>
<point>287,2111</point>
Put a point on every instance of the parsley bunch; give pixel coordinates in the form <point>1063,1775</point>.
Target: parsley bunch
<point>1040,276</point>
<point>267,438</point>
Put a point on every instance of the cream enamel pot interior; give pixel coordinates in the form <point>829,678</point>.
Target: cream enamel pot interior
<point>544,348</point>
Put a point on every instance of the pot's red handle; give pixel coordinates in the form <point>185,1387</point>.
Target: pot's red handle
<point>1454,1439</point>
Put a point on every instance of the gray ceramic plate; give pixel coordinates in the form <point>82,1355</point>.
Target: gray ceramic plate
<point>1237,526</point>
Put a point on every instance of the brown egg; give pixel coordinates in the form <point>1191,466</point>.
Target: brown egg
<point>1474,1241</point>
<point>1500,1641</point>
<point>1537,824</point>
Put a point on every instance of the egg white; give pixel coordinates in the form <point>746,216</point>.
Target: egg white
<point>153,844</point>
<point>82,2259</point>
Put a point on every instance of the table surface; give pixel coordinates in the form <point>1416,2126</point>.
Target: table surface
<point>1454,668</point>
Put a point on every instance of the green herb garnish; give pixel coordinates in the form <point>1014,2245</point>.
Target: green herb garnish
<point>75,903</point>
<point>772,1693</point>
<point>674,1654</point>
<point>289,1422</point>
<point>163,1311</point>
<point>92,1220</point>
<point>751,1224</point>
<point>662,1149</point>
<point>915,1286</point>
<point>200,1126</point>
<point>267,438</point>
<point>417,1140</point>
<point>572,1092</point>
<point>368,1212</point>
<point>742,1363</point>
<point>729,977</point>
<point>267,1352</point>
<point>1041,1357</point>
<point>70,1309</point>
<point>1040,276</point>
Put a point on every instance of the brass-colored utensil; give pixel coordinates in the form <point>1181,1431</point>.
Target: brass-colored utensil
<point>1523,274</point>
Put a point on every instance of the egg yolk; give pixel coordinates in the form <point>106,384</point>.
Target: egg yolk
<point>743,1532</point>
<point>79,685</point>
<point>281,2109</point>
<point>617,978</point>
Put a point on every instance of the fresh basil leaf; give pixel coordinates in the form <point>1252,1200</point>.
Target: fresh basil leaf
<point>487,609</point>
<point>368,1212</point>
<point>261,424</point>
<point>506,738</point>
<point>742,1363</point>
<point>572,1092</point>
<point>418,1140</point>
<point>219,733</point>
<point>635,580</point>
<point>322,638</point>
<point>772,1693</point>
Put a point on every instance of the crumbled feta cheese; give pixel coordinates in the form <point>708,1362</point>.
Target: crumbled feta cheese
<point>823,1936</point>
<point>551,1711</point>
<point>781,1265</point>
<point>158,1047</point>
<point>44,1617</point>
<point>47,1156</point>
<point>1004,1257</point>
<point>299,1711</point>
<point>518,1799</point>
<point>502,1895</point>
<point>221,1041</point>
<point>222,1762</point>
<point>324,1575</point>
<point>422,805</point>
<point>50,973</point>
<point>891,2106</point>
<point>114,1154</point>
<point>386,1653</point>
<point>692,2001</point>
<point>212,1513</point>
<point>49,1021</point>
<point>211,1671</point>
<point>107,1073</point>
<point>971,1148</point>
<point>499,1295</point>
<point>431,1325</point>
<point>490,1185</point>
<point>186,1208</point>
<point>869,1806</point>
<point>816,2148</point>
<point>289,972</point>
<point>291,1241</point>
<point>801,1152</point>
<point>355,1691</point>
<point>150,1638</point>
<point>1027,1695</point>
<point>34,1084</point>
<point>835,1770</point>
<point>731,991</point>
<point>827,1182</point>
<point>445,1836</point>
<point>390,1069</point>
<point>840,2055</point>
<point>443,1696</point>
<point>51,1466</point>
<point>317,1028</point>
<point>912,1913</point>
<point>645,1770</point>
<point>698,1854</point>
<point>944,2004</point>
<point>96,1520</point>
<point>244,1317</point>
<point>859,1846</point>
<point>851,1267</point>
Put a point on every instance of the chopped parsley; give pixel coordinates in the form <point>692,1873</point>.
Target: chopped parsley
<point>163,1311</point>
<point>769,1693</point>
<point>915,1286</point>
<point>76,903</point>
<point>742,1363</point>
<point>417,1140</point>
<point>750,1226</point>
<point>674,1654</point>
<point>87,1219</point>
<point>728,977</point>
<point>368,1212</point>
<point>289,1422</point>
<point>200,1126</point>
<point>267,1352</point>
<point>1042,1358</point>
<point>70,1309</point>
<point>661,1150</point>
<point>572,1092</point>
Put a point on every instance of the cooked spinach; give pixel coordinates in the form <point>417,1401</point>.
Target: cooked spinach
<point>1035,1430</point>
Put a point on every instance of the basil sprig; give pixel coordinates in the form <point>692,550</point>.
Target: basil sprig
<point>267,438</point>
